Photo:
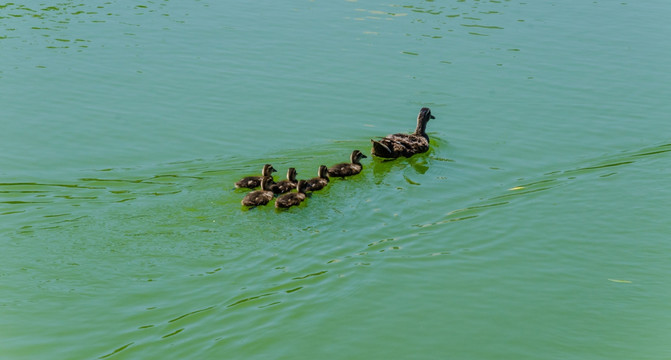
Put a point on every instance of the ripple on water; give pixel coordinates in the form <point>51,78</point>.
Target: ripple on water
<point>66,26</point>
<point>551,180</point>
<point>341,239</point>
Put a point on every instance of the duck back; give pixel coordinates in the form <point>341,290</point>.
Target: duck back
<point>249,182</point>
<point>317,183</point>
<point>351,168</point>
<point>344,169</point>
<point>257,198</point>
<point>283,186</point>
<point>398,145</point>
<point>289,200</point>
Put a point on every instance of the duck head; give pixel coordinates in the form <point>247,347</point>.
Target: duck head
<point>268,170</point>
<point>423,118</point>
<point>302,186</point>
<point>291,174</point>
<point>323,172</point>
<point>425,114</point>
<point>356,157</point>
<point>266,182</point>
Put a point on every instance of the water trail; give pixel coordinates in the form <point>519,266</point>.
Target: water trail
<point>605,166</point>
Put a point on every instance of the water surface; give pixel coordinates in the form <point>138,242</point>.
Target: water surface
<point>536,226</point>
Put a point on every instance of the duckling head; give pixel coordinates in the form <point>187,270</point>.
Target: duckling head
<point>356,157</point>
<point>323,172</point>
<point>291,174</point>
<point>302,186</point>
<point>268,169</point>
<point>266,182</point>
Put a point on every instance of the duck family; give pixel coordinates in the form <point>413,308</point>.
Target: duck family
<point>286,198</point>
<point>389,147</point>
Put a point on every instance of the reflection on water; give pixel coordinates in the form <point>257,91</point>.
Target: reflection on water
<point>68,24</point>
<point>443,19</point>
<point>434,25</point>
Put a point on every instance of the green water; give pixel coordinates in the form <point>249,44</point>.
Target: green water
<point>537,226</point>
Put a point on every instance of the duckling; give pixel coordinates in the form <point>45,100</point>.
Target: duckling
<point>318,183</point>
<point>293,198</point>
<point>287,185</point>
<point>406,145</point>
<point>254,181</point>
<point>259,197</point>
<point>346,169</point>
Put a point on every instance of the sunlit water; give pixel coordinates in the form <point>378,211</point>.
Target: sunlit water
<point>537,226</point>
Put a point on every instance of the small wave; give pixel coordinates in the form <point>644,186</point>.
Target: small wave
<point>596,168</point>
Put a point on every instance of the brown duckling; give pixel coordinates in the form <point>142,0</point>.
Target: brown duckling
<point>346,169</point>
<point>287,185</point>
<point>259,197</point>
<point>292,198</point>
<point>406,145</point>
<point>254,181</point>
<point>318,183</point>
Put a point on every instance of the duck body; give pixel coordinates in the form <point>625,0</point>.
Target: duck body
<point>292,198</point>
<point>320,182</point>
<point>397,145</point>
<point>287,185</point>
<point>251,182</point>
<point>406,145</point>
<point>347,169</point>
<point>259,197</point>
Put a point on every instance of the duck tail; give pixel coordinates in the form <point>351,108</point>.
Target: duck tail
<point>381,150</point>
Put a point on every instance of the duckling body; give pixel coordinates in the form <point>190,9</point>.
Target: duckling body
<point>251,182</point>
<point>259,197</point>
<point>287,185</point>
<point>292,198</point>
<point>320,182</point>
<point>347,169</point>
<point>396,145</point>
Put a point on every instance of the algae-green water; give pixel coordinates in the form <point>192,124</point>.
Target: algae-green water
<point>538,226</point>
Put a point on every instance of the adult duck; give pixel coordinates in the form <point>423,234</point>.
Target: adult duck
<point>251,182</point>
<point>292,198</point>
<point>259,197</point>
<point>320,181</point>
<point>393,146</point>
<point>287,185</point>
<point>347,169</point>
